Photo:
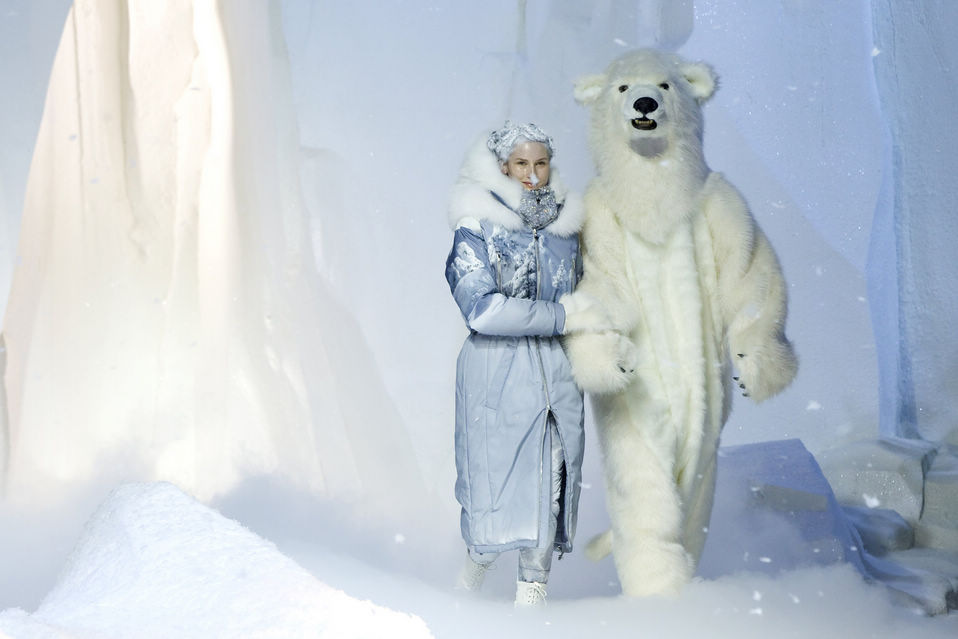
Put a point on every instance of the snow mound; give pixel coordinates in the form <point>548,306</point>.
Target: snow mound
<point>154,562</point>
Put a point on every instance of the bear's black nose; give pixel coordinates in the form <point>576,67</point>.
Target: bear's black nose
<point>645,105</point>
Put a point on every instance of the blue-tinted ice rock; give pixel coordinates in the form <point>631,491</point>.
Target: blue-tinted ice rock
<point>775,511</point>
<point>887,473</point>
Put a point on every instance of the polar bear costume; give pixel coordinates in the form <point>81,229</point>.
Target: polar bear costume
<point>697,299</point>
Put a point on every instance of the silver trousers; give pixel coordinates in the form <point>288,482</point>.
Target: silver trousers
<point>535,563</point>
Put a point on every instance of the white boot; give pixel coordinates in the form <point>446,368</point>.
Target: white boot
<point>472,575</point>
<point>530,594</point>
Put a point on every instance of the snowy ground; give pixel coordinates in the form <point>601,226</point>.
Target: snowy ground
<point>153,562</point>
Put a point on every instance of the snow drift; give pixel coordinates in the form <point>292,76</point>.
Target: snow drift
<point>153,562</point>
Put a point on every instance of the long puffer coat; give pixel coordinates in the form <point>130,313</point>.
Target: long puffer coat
<point>512,372</point>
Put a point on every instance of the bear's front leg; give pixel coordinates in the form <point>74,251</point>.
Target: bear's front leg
<point>644,503</point>
<point>765,367</point>
<point>601,362</point>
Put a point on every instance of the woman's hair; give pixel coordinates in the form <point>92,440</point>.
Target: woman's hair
<point>504,140</point>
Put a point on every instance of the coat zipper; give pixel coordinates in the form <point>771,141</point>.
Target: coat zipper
<point>545,388</point>
<point>573,282</point>
<point>564,508</point>
<point>535,255</point>
<point>542,370</point>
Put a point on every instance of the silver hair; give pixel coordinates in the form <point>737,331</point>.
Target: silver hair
<point>503,141</point>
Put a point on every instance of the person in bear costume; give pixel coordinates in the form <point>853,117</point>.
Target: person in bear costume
<point>697,302</point>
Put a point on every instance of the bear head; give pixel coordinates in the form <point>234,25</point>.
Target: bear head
<point>648,102</point>
<point>646,138</point>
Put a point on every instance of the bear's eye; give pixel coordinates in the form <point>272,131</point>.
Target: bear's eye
<point>664,85</point>
<point>623,88</point>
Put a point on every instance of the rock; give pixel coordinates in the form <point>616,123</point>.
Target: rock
<point>935,564</point>
<point>930,534</point>
<point>881,530</point>
<point>887,473</point>
<point>941,501</point>
<point>774,511</point>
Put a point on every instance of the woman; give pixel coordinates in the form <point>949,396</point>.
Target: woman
<point>519,414</point>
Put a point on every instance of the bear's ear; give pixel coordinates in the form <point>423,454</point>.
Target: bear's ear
<point>701,78</point>
<point>588,88</point>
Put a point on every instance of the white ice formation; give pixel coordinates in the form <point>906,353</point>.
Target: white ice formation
<point>166,317</point>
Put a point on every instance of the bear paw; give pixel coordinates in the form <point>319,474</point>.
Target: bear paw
<point>765,370</point>
<point>601,362</point>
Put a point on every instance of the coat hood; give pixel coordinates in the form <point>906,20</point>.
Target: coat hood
<point>481,185</point>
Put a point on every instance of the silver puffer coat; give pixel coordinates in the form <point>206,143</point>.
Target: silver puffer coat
<point>512,373</point>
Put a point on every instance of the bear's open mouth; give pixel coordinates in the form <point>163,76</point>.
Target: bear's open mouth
<point>644,124</point>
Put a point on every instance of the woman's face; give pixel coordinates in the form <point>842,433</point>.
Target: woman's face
<point>529,164</point>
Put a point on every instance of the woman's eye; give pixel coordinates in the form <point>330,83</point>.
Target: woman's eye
<point>623,88</point>
<point>664,85</point>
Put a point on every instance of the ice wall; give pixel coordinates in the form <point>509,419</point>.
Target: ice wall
<point>166,316</point>
<point>29,32</point>
<point>911,268</point>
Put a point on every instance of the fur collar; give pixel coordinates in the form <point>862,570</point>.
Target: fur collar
<point>480,177</point>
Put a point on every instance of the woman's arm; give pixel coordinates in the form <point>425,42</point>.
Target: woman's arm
<point>472,281</point>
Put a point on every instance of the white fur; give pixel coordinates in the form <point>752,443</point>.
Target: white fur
<point>480,176</point>
<point>673,254</point>
<point>584,314</point>
<point>602,362</point>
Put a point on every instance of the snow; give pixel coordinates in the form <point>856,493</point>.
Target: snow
<point>375,104</point>
<point>153,562</point>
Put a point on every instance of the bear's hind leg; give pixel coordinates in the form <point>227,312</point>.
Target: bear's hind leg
<point>646,513</point>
